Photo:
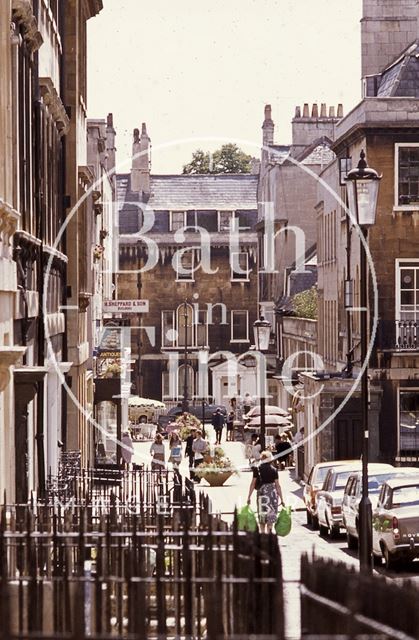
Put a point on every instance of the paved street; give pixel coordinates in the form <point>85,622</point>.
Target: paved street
<point>301,540</point>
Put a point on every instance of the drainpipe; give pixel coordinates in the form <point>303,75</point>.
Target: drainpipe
<point>39,217</point>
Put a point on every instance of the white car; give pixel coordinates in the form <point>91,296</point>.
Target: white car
<point>377,474</point>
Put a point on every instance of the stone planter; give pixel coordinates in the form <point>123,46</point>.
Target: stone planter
<point>216,478</point>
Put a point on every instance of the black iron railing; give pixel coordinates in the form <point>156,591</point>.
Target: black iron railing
<point>407,335</point>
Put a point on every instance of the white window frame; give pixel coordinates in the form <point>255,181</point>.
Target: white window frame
<point>163,335</point>
<point>239,277</point>
<point>185,214</point>
<point>401,390</point>
<point>400,262</point>
<point>232,217</point>
<point>232,338</point>
<point>190,277</point>
<point>202,313</point>
<point>397,206</point>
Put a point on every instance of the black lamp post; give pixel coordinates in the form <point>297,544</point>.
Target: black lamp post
<point>262,332</point>
<point>185,403</point>
<point>362,188</point>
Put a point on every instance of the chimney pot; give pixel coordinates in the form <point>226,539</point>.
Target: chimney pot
<point>306,113</point>
<point>331,112</point>
<point>268,112</point>
<point>109,120</point>
<point>297,112</point>
<point>323,112</point>
<point>143,129</point>
<point>315,111</point>
<point>340,110</point>
<point>136,135</point>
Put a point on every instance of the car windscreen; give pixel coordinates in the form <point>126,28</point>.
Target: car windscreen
<point>406,496</point>
<point>341,478</point>
<point>321,473</point>
<point>375,482</point>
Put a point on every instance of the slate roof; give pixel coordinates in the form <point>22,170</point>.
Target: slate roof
<point>401,78</point>
<point>185,192</point>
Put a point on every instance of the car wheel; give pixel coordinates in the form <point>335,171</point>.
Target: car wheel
<point>377,560</point>
<point>390,562</point>
<point>309,517</point>
<point>323,530</point>
<point>314,523</point>
<point>352,541</point>
<point>332,530</point>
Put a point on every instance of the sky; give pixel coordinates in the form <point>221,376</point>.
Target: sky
<point>199,73</point>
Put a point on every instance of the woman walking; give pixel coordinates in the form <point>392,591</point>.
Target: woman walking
<point>157,453</point>
<point>175,446</point>
<point>269,493</point>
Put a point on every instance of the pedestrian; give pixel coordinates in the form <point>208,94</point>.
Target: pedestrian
<point>256,449</point>
<point>157,453</point>
<point>189,451</point>
<point>230,427</point>
<point>199,447</point>
<point>269,493</point>
<point>127,449</point>
<point>282,450</point>
<point>247,403</point>
<point>218,421</point>
<point>175,446</point>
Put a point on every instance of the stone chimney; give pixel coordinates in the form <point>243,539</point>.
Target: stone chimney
<point>307,128</point>
<point>268,127</point>
<point>110,142</point>
<point>140,170</point>
<point>388,27</point>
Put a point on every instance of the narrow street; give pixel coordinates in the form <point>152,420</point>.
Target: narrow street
<point>302,538</point>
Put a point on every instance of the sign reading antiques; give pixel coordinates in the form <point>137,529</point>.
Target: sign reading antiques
<point>125,306</point>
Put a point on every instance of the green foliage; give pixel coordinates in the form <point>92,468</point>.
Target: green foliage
<point>305,304</point>
<point>228,159</point>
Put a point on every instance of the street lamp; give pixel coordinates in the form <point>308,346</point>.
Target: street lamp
<point>185,403</point>
<point>362,188</point>
<point>262,333</point>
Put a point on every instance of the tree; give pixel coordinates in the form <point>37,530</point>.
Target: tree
<point>200,162</point>
<point>305,304</point>
<point>228,159</point>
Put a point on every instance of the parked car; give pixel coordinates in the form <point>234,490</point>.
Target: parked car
<point>395,530</point>
<point>314,483</point>
<point>195,410</point>
<point>329,498</point>
<point>377,474</point>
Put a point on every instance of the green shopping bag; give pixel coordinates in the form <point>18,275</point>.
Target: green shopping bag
<point>283,522</point>
<point>246,519</point>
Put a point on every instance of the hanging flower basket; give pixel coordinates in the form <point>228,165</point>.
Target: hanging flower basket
<point>98,251</point>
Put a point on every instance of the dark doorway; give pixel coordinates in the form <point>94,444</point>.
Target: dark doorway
<point>21,453</point>
<point>348,431</point>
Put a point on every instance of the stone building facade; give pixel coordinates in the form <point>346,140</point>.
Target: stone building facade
<point>385,125</point>
<point>287,194</point>
<point>194,261</point>
<point>36,147</point>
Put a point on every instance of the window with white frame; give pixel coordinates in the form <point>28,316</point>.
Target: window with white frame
<point>407,303</point>
<point>224,218</point>
<point>407,175</point>
<point>239,264</point>
<point>240,326</point>
<point>184,264</point>
<point>168,328</point>
<point>178,219</point>
<point>408,420</point>
<point>174,331</point>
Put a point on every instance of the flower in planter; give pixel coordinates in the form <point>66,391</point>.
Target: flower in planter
<point>186,423</point>
<point>220,464</point>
